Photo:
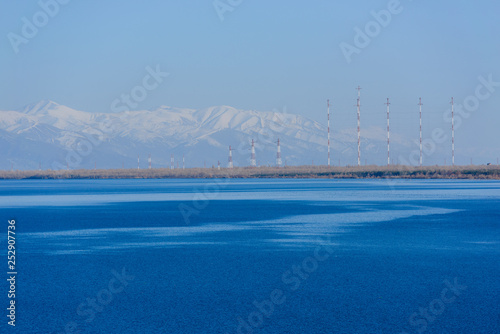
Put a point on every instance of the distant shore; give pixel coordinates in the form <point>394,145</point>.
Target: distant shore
<point>491,172</point>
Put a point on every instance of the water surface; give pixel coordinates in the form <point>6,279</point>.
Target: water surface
<point>369,256</point>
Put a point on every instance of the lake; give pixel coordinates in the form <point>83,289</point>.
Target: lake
<point>254,256</point>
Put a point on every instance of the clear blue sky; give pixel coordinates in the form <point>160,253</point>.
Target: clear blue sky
<point>265,55</point>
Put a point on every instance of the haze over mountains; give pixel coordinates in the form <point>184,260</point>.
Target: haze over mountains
<point>57,136</point>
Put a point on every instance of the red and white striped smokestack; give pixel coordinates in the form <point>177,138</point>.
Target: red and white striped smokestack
<point>253,162</point>
<point>230,159</point>
<point>359,124</point>
<point>328,103</point>
<point>278,155</point>
<point>420,110</point>
<point>388,136</point>
<point>452,133</point>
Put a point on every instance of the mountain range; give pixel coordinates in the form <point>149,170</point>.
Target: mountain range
<point>49,135</point>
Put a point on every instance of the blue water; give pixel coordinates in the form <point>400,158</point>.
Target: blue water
<point>254,256</point>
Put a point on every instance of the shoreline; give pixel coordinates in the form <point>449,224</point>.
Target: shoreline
<point>491,172</point>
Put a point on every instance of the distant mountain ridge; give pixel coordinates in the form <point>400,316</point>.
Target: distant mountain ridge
<point>57,136</point>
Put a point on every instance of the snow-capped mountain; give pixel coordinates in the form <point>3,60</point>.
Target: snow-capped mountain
<point>56,136</point>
